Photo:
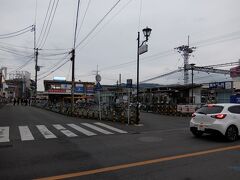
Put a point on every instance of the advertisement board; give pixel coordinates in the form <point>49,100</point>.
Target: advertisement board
<point>89,89</point>
<point>66,86</point>
<point>79,88</point>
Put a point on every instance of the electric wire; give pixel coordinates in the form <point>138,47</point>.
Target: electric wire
<point>54,65</point>
<point>54,70</point>
<point>84,16</point>
<point>16,32</point>
<point>44,22</point>
<point>49,28</point>
<point>12,52</point>
<point>90,39</point>
<point>22,66</point>
<point>99,22</point>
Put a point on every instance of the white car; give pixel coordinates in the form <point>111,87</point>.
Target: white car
<point>217,119</point>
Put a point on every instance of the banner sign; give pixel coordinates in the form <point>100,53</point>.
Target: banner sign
<point>89,89</point>
<point>217,85</point>
<point>79,88</point>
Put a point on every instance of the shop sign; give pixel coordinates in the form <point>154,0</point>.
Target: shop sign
<point>217,85</point>
<point>66,86</point>
<point>57,90</point>
<point>79,88</point>
<point>90,89</point>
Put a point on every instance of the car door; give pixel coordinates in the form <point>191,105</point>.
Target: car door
<point>235,114</point>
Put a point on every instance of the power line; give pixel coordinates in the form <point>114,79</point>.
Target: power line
<point>14,35</point>
<point>12,52</point>
<point>23,65</point>
<point>95,27</point>
<point>54,70</point>
<point>89,40</point>
<point>56,64</point>
<point>50,24</point>
<point>84,16</point>
<point>49,4</point>
<point>19,31</point>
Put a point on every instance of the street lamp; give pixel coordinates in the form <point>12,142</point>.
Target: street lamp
<point>192,68</point>
<point>146,32</point>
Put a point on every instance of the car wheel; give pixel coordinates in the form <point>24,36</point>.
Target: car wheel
<point>231,133</point>
<point>197,133</point>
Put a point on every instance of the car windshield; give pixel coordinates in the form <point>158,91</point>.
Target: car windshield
<point>210,109</point>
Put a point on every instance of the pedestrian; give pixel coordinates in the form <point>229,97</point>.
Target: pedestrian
<point>14,101</point>
<point>26,102</point>
<point>18,100</point>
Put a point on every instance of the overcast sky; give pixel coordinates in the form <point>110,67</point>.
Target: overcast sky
<point>213,26</point>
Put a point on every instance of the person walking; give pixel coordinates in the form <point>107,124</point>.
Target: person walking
<point>18,100</point>
<point>14,101</point>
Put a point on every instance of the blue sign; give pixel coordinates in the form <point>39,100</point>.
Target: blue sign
<point>98,86</point>
<point>79,88</point>
<point>235,99</point>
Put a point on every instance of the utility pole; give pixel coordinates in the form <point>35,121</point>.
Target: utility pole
<point>73,80</point>
<point>36,70</point>
<point>192,68</point>
<point>185,51</point>
<point>73,61</point>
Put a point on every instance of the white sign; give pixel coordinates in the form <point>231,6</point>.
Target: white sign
<point>143,49</point>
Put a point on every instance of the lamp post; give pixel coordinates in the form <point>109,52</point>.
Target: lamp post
<point>146,33</point>
<point>192,67</point>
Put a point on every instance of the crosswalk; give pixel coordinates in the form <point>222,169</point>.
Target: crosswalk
<point>54,131</point>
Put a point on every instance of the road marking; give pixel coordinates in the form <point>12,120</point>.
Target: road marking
<point>111,128</point>
<point>84,131</point>
<point>96,128</point>
<point>140,163</point>
<point>4,134</point>
<point>45,132</point>
<point>25,133</point>
<point>64,130</point>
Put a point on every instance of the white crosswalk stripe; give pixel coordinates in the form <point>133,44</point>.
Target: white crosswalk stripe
<point>4,134</point>
<point>96,128</point>
<point>45,132</point>
<point>110,127</point>
<point>64,130</point>
<point>82,130</point>
<point>25,133</point>
<point>88,129</point>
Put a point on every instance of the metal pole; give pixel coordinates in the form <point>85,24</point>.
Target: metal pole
<point>99,105</point>
<point>73,81</point>
<point>36,70</point>
<point>137,108</point>
<point>192,84</point>
<point>128,105</point>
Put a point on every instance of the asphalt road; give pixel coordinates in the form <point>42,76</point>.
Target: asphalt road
<point>161,148</point>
